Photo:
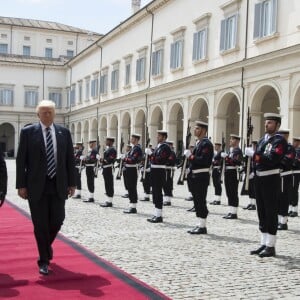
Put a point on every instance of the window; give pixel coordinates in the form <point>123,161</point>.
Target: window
<point>3,48</point>
<point>229,33</point>
<point>31,98</point>
<point>73,95</point>
<point>70,53</point>
<point>87,89</point>
<point>157,62</point>
<point>94,87</point>
<point>57,98</point>
<point>114,84</point>
<point>200,44</point>
<point>6,96</point>
<point>140,69</point>
<point>103,83</point>
<point>265,19</point>
<point>68,96</point>
<point>26,50</point>
<point>127,74</point>
<point>176,54</point>
<point>48,52</point>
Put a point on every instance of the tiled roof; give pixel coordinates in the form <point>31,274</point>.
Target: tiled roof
<point>41,24</point>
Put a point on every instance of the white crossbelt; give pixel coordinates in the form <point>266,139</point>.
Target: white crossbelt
<point>107,166</point>
<point>267,173</point>
<point>158,166</point>
<point>217,167</point>
<point>200,171</point>
<point>296,172</point>
<point>90,165</point>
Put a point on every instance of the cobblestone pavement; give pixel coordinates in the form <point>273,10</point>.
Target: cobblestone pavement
<point>183,266</point>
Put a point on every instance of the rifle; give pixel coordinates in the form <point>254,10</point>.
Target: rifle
<point>119,174</point>
<point>97,167</point>
<point>187,144</point>
<point>223,162</point>
<point>249,138</point>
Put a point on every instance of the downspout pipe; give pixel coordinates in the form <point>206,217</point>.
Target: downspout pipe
<point>149,73</point>
<point>243,73</point>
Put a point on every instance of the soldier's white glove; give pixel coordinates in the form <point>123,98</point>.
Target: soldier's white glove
<point>251,176</point>
<point>187,171</point>
<point>187,153</point>
<point>249,151</point>
<point>82,157</point>
<point>98,156</point>
<point>148,151</point>
<point>122,156</point>
<point>224,154</point>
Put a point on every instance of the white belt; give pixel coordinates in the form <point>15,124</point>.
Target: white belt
<point>90,165</point>
<point>107,166</point>
<point>286,173</point>
<point>296,172</point>
<point>158,166</point>
<point>267,173</point>
<point>130,166</point>
<point>217,167</point>
<point>200,171</point>
<point>79,167</point>
<point>169,168</point>
<point>230,168</point>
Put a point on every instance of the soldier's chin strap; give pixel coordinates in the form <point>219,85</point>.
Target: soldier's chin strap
<point>2,198</point>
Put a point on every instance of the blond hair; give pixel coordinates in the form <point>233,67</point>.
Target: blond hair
<point>45,103</point>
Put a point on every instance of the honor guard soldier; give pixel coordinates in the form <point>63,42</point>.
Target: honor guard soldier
<point>233,160</point>
<point>170,167</point>
<point>267,158</point>
<point>78,155</point>
<point>90,163</point>
<point>146,176</point>
<point>122,165</point>
<point>293,209</point>
<point>159,159</point>
<point>286,174</point>
<point>251,188</point>
<point>216,174</point>
<point>131,166</point>
<point>107,162</point>
<point>200,161</point>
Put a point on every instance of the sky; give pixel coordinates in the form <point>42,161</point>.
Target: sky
<point>95,15</point>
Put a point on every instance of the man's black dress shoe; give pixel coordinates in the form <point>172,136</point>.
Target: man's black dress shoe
<point>198,230</point>
<point>267,252</point>
<point>106,204</point>
<point>193,209</point>
<point>252,207</point>
<point>43,269</point>
<point>247,207</point>
<point>77,197</point>
<point>215,202</point>
<point>145,199</point>
<point>89,200</point>
<point>293,214</point>
<point>257,251</point>
<point>131,210</point>
<point>125,196</point>
<point>230,216</point>
<point>155,219</point>
<point>167,203</point>
<point>189,198</point>
<point>282,226</point>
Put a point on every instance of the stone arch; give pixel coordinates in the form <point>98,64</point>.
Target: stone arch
<point>264,99</point>
<point>94,129</point>
<point>85,132</point>
<point>156,123</point>
<point>295,115</point>
<point>126,127</point>
<point>78,136</point>
<point>102,129</point>
<point>72,130</point>
<point>113,126</point>
<point>7,139</point>
<point>140,126</point>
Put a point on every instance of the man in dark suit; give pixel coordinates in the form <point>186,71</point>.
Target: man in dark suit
<point>46,177</point>
<point>3,179</point>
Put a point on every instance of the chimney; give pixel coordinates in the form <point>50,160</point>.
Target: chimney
<point>135,5</point>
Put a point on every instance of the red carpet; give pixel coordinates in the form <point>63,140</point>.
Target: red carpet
<point>75,273</point>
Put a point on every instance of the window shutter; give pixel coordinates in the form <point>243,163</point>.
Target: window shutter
<point>257,21</point>
<point>274,16</point>
<point>172,58</point>
<point>154,63</point>
<point>235,22</point>
<point>205,41</point>
<point>180,54</point>
<point>195,45</point>
<point>223,35</point>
